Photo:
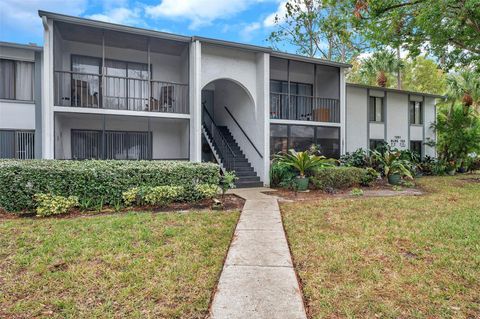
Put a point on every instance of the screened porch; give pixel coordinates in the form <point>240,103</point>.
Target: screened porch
<point>98,68</point>
<point>89,136</point>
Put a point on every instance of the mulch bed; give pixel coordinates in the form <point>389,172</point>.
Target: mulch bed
<point>379,189</point>
<point>230,203</point>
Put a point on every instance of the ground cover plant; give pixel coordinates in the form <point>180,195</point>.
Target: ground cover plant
<point>390,257</point>
<point>133,265</point>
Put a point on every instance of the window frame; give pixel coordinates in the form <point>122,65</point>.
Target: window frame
<point>16,150</point>
<point>421,147</point>
<point>316,138</point>
<point>15,94</point>
<point>412,112</point>
<point>103,139</point>
<point>372,117</point>
<point>375,140</point>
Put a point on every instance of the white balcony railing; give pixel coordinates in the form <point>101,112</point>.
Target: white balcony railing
<point>120,93</point>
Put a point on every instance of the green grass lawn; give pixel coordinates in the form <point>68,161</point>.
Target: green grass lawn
<point>395,257</point>
<point>134,265</point>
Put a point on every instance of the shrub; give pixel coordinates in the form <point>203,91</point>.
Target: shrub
<point>130,197</point>
<point>303,162</point>
<point>96,182</point>
<point>281,174</point>
<point>338,177</point>
<point>160,195</point>
<point>370,175</point>
<point>48,204</point>
<point>227,181</point>
<point>206,190</point>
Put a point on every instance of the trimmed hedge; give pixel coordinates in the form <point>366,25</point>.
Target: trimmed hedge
<point>339,177</point>
<point>96,182</point>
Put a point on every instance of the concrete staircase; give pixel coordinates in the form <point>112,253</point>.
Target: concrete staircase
<point>246,175</point>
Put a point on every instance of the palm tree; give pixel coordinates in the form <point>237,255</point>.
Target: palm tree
<point>464,86</point>
<point>379,64</point>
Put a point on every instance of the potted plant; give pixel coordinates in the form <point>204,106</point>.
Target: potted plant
<point>302,162</point>
<point>394,168</point>
<point>451,167</point>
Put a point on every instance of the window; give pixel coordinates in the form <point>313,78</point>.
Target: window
<point>119,145</point>
<point>278,139</point>
<point>16,80</point>
<point>301,98</point>
<point>126,85</point>
<point>416,112</point>
<point>416,147</point>
<point>17,144</point>
<point>302,137</point>
<point>328,141</point>
<point>376,109</point>
<point>376,145</point>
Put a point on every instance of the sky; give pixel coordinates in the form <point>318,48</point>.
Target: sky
<point>246,21</point>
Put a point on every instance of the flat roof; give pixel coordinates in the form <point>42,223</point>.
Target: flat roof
<point>379,88</point>
<point>171,36</point>
<point>21,46</point>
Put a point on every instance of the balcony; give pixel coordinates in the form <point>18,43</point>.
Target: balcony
<point>304,108</point>
<point>100,68</point>
<point>77,89</point>
<point>301,91</point>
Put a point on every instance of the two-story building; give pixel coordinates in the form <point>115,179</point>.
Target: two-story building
<point>117,92</point>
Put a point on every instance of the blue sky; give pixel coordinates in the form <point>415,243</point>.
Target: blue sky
<point>248,21</point>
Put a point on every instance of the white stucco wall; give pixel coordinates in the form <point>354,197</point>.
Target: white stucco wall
<point>170,138</point>
<point>17,115</point>
<point>399,131</point>
<point>241,88</point>
<point>397,120</point>
<point>356,119</point>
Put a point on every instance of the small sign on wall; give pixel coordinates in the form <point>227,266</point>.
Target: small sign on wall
<point>398,142</point>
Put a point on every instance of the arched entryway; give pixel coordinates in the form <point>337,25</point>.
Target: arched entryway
<point>230,134</point>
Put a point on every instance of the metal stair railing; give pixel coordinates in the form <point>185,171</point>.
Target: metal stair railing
<point>226,153</point>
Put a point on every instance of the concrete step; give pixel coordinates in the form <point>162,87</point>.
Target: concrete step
<point>240,184</point>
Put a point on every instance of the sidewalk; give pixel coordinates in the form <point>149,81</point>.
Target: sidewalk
<point>258,279</point>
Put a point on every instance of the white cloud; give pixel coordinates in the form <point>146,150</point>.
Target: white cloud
<point>199,12</point>
<point>22,16</point>
<point>269,21</point>
<point>247,32</point>
<point>119,15</point>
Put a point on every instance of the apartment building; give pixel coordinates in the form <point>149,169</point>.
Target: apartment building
<point>116,92</point>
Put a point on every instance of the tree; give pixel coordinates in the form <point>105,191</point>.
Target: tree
<point>380,64</point>
<point>423,75</point>
<point>465,87</point>
<point>318,28</point>
<point>458,133</point>
<point>447,29</point>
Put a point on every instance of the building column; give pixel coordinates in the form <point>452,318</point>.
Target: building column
<point>343,110</point>
<point>38,104</point>
<point>195,101</point>
<point>48,126</point>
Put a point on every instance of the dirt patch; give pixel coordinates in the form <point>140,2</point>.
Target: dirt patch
<point>231,203</point>
<point>378,190</point>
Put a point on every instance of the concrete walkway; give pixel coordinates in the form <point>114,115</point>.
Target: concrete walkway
<point>258,279</point>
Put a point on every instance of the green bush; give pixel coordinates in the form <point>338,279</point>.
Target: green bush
<point>96,182</point>
<point>206,190</point>
<point>48,204</point>
<point>370,175</point>
<point>160,195</point>
<point>338,177</point>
